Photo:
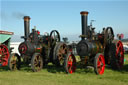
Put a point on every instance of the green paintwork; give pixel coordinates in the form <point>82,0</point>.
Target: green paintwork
<point>4,37</point>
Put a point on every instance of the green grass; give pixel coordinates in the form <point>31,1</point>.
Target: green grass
<point>53,76</point>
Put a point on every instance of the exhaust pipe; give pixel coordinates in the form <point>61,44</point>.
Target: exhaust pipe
<point>84,19</point>
<point>26,27</point>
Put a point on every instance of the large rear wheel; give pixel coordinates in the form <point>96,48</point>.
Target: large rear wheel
<point>60,51</point>
<point>99,64</point>
<point>117,55</point>
<point>106,54</point>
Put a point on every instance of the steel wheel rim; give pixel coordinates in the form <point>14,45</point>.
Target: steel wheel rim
<point>14,61</point>
<point>100,64</point>
<point>120,53</point>
<point>71,64</point>
<point>62,51</point>
<point>4,55</point>
<point>37,62</point>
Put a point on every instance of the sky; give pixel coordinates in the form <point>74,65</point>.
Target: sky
<point>64,16</point>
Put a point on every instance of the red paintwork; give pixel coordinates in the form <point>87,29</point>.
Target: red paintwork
<point>4,52</point>
<point>23,48</point>
<point>120,53</point>
<point>101,64</point>
<point>38,32</point>
<point>71,64</point>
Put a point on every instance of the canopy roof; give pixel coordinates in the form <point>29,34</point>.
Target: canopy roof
<point>5,35</point>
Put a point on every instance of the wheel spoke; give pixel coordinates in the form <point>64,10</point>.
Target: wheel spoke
<point>5,53</point>
<point>70,63</point>
<point>70,69</point>
<point>3,49</point>
<point>13,62</point>
<point>36,62</point>
<point>117,51</point>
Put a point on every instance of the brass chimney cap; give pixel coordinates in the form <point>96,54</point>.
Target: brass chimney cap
<point>84,13</point>
<point>26,18</point>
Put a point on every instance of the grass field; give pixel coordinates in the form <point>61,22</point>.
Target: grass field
<point>53,76</point>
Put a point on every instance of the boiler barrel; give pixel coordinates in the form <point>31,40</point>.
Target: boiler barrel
<point>86,48</point>
<point>27,48</point>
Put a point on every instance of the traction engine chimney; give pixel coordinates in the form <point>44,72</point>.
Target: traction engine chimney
<point>84,19</point>
<point>26,27</point>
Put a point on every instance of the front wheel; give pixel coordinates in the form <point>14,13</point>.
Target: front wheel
<point>14,62</point>
<point>36,62</point>
<point>70,63</point>
<point>99,64</point>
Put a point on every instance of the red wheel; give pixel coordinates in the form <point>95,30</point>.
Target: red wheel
<point>70,63</point>
<point>120,54</point>
<point>117,55</point>
<point>99,64</point>
<point>4,55</point>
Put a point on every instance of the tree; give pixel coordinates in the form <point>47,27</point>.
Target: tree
<point>65,39</point>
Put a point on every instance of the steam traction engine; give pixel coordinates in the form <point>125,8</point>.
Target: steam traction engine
<point>98,48</point>
<point>37,50</point>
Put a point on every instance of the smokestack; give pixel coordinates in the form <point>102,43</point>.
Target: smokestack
<point>26,26</point>
<point>84,19</point>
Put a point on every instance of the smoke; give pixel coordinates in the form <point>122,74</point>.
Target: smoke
<point>14,15</point>
<point>18,15</point>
